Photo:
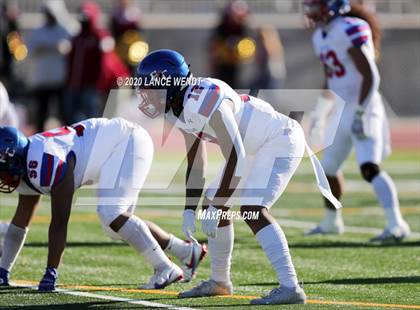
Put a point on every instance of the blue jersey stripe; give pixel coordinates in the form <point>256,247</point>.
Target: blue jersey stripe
<point>356,29</point>
<point>209,102</point>
<point>47,169</point>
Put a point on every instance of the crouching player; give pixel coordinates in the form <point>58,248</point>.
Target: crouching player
<point>262,149</point>
<point>115,154</point>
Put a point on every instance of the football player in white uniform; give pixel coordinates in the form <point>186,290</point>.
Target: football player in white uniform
<point>262,149</point>
<point>116,155</point>
<point>346,46</point>
<point>8,114</point>
<point>8,117</point>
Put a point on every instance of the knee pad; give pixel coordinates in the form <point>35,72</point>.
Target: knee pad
<point>331,167</point>
<point>369,171</point>
<point>106,215</point>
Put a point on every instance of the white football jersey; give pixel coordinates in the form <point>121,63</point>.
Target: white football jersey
<point>331,44</point>
<point>90,142</point>
<point>256,119</point>
<point>7,111</point>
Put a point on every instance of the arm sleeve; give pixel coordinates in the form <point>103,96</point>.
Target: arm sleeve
<point>233,131</point>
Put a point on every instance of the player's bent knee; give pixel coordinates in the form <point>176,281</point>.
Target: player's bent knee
<point>252,214</point>
<point>369,171</point>
<point>108,218</point>
<point>331,168</point>
<point>108,214</point>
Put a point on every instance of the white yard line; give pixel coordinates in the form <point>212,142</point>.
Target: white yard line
<point>112,298</point>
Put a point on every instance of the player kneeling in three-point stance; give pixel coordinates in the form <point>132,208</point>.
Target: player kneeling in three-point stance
<point>115,154</point>
<point>262,149</point>
<point>346,47</point>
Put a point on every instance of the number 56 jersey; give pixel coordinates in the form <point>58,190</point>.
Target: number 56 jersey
<point>331,44</point>
<point>90,142</point>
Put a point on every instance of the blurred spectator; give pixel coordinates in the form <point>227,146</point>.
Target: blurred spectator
<point>112,69</point>
<point>8,114</point>
<point>270,64</point>
<point>125,27</point>
<point>48,46</point>
<point>85,62</point>
<point>224,58</point>
<point>8,26</point>
<point>124,17</point>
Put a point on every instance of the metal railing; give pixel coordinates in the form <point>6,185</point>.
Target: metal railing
<point>213,6</point>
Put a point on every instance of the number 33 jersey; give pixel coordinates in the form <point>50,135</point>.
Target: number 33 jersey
<point>90,142</point>
<point>331,44</point>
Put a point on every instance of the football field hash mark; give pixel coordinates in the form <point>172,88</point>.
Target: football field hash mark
<point>67,290</point>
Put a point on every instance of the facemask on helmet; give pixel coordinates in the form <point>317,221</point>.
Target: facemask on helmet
<point>152,101</point>
<point>13,149</point>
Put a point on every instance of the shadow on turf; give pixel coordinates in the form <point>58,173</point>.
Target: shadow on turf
<point>100,304</point>
<point>351,281</point>
<point>83,305</point>
<point>198,305</point>
<point>77,244</point>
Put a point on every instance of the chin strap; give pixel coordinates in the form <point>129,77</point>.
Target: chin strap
<point>176,104</point>
<point>321,179</point>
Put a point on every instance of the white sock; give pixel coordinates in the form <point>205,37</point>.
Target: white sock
<point>180,248</point>
<point>13,243</point>
<point>332,218</point>
<point>387,195</point>
<point>274,243</point>
<point>220,249</point>
<point>136,233</point>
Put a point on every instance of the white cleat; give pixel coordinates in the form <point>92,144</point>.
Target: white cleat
<point>320,230</point>
<point>282,295</point>
<point>208,288</point>
<point>190,264</point>
<point>331,224</point>
<point>163,278</point>
<point>393,234</point>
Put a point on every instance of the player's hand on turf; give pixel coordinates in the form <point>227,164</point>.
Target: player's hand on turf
<point>188,224</point>
<point>357,127</point>
<point>210,221</point>
<point>49,280</point>
<point>4,277</point>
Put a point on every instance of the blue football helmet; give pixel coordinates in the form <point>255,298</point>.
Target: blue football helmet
<point>322,11</point>
<point>13,151</point>
<point>156,75</point>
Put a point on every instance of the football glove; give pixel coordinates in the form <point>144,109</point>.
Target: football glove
<point>4,277</point>
<point>357,126</point>
<point>210,221</point>
<point>318,117</point>
<point>188,223</point>
<point>49,280</point>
